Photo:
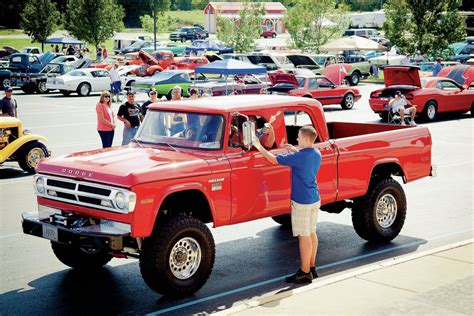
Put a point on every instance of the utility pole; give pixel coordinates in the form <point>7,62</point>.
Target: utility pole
<point>154,25</point>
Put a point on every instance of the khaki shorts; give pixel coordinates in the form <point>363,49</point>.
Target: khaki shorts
<point>304,218</point>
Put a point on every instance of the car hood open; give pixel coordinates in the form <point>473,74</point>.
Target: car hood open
<point>279,78</point>
<point>125,166</point>
<point>401,75</point>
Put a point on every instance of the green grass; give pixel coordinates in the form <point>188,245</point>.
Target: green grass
<point>18,43</point>
<point>374,80</point>
<point>188,17</point>
<point>11,32</point>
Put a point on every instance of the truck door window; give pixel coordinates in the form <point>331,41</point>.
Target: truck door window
<point>294,120</point>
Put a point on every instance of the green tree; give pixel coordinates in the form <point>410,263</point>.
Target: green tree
<point>39,20</point>
<point>199,4</point>
<point>313,23</point>
<point>425,25</point>
<point>93,21</point>
<point>241,34</point>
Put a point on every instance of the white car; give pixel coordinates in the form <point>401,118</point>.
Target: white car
<point>83,81</point>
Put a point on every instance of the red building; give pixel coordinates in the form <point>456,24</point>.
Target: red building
<point>272,18</point>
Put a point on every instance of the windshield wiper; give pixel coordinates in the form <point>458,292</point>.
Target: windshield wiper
<point>170,146</point>
<point>138,142</point>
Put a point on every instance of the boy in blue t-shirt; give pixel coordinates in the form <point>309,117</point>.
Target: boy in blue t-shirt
<point>305,199</point>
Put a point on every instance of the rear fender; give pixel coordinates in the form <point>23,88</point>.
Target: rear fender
<point>14,146</point>
<point>386,167</point>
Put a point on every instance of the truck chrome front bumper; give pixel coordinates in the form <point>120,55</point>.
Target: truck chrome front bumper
<point>434,171</point>
<point>75,231</point>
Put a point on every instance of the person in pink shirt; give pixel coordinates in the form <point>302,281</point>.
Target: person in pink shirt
<point>105,119</point>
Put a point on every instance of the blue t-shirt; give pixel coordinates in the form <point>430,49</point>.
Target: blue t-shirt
<point>437,68</point>
<point>304,168</point>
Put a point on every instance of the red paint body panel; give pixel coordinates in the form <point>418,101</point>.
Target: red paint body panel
<point>252,187</point>
<point>189,63</point>
<point>462,74</point>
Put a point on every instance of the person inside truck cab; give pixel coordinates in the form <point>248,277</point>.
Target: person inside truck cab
<point>264,131</point>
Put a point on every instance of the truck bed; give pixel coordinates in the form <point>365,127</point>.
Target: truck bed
<point>343,129</point>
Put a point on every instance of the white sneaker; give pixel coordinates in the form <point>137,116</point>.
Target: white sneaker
<point>403,123</point>
<point>412,123</point>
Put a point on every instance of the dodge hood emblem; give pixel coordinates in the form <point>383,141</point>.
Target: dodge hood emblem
<point>73,172</point>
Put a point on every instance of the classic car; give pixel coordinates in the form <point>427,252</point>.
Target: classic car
<point>318,87</point>
<point>431,95</point>
<point>426,68</point>
<point>189,63</point>
<point>238,84</point>
<point>108,62</point>
<point>164,82</point>
<point>132,59</point>
<point>83,81</point>
<point>462,74</point>
<point>151,65</point>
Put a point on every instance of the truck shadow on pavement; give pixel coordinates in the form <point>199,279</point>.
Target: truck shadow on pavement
<point>11,172</point>
<point>244,269</point>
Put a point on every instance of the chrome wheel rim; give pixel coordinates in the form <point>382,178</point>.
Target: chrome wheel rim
<point>355,79</point>
<point>386,211</point>
<point>34,156</point>
<point>84,89</point>
<point>6,82</point>
<point>431,111</point>
<point>42,86</point>
<point>185,258</point>
<point>349,101</point>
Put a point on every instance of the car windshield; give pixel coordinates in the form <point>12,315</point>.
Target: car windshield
<point>137,44</point>
<point>50,68</point>
<point>320,60</point>
<point>182,129</point>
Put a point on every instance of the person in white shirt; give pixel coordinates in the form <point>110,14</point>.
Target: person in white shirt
<point>116,84</point>
<point>398,105</point>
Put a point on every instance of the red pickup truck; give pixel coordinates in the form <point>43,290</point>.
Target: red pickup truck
<point>152,199</point>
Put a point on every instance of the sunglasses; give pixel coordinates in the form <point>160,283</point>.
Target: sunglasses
<point>107,96</point>
<point>152,93</point>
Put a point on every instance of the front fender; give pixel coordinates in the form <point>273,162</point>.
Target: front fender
<point>14,146</point>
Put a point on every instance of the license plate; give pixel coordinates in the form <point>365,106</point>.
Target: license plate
<point>50,232</point>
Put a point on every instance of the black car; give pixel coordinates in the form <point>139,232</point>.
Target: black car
<point>189,33</point>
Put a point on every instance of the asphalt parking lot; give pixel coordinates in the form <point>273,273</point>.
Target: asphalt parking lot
<point>251,258</point>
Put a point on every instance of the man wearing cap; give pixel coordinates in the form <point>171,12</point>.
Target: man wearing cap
<point>130,114</point>
<point>8,104</point>
<point>398,105</point>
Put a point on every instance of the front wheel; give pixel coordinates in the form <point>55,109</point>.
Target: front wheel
<point>348,102</point>
<point>178,257</point>
<point>30,155</point>
<point>274,35</point>
<point>41,87</point>
<point>80,258</point>
<point>379,215</point>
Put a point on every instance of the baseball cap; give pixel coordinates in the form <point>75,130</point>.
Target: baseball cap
<point>8,88</point>
<point>130,92</point>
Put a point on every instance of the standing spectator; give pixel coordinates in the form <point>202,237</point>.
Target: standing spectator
<point>56,48</point>
<point>130,114</point>
<point>104,52</point>
<point>8,104</point>
<point>193,94</point>
<point>99,54</point>
<point>116,84</point>
<point>70,50</point>
<point>105,120</point>
<point>406,60</point>
<point>51,50</point>
<point>305,200</point>
<point>418,57</point>
<point>176,93</point>
<point>152,99</point>
<point>437,67</point>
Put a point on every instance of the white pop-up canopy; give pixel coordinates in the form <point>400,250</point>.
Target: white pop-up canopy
<point>352,43</point>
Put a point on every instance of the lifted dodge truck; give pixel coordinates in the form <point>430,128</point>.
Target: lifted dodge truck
<point>189,165</point>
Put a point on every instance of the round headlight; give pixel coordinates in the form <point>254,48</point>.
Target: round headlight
<point>120,200</point>
<point>40,185</point>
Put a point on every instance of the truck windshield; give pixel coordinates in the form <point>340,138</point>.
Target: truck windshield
<point>182,129</point>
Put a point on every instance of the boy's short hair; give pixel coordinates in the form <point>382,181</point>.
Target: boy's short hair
<point>310,132</point>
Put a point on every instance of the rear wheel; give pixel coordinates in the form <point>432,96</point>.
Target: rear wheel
<point>354,79</point>
<point>430,111</point>
<point>30,155</point>
<point>348,102</point>
<point>274,35</point>
<point>178,257</point>
<point>380,214</point>
<point>183,39</point>
<point>80,258</point>
<point>6,82</point>
<point>84,89</point>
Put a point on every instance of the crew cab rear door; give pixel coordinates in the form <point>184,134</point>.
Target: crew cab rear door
<point>327,176</point>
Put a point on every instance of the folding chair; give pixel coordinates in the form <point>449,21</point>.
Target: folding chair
<point>393,117</point>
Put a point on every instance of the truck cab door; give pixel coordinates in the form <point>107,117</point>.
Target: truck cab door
<point>258,188</point>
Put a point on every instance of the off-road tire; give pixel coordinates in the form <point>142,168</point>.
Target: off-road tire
<point>80,259</point>
<point>284,220</point>
<point>364,212</point>
<point>84,89</point>
<point>30,154</point>
<point>430,111</point>
<point>348,101</point>
<point>155,256</point>
<point>354,78</point>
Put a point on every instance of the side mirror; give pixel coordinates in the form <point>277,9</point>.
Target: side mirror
<point>248,131</point>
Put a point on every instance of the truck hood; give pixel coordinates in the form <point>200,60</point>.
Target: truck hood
<point>401,75</point>
<point>302,60</point>
<point>125,166</point>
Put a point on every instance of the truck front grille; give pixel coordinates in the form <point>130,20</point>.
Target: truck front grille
<point>80,193</point>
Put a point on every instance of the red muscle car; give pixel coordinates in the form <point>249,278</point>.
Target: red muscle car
<point>189,63</point>
<point>462,74</point>
<point>320,88</point>
<point>430,95</point>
